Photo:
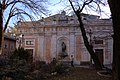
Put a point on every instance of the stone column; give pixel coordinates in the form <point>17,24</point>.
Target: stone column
<point>47,49</point>
<point>72,45</point>
<point>54,46</point>
<point>78,49</point>
<point>41,47</point>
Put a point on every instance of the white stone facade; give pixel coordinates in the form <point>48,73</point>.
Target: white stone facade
<point>44,38</point>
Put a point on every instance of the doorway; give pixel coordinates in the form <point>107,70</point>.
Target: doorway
<point>99,53</point>
<point>30,51</point>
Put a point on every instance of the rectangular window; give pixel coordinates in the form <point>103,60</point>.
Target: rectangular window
<point>98,41</point>
<point>11,46</point>
<point>29,42</point>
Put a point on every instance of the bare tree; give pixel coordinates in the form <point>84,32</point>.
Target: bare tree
<point>10,9</point>
<point>115,15</point>
<point>78,11</point>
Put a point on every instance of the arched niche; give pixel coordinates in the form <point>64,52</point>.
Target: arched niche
<point>61,40</point>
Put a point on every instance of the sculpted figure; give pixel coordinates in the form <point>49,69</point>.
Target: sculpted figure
<point>63,47</point>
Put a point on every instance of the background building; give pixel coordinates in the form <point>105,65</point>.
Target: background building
<point>44,38</point>
<point>9,45</point>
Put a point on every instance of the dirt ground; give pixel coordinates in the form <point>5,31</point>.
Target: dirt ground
<point>78,73</point>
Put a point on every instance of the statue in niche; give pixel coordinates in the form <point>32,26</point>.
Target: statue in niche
<point>63,47</point>
<point>63,54</point>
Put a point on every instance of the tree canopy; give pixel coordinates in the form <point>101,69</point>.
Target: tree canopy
<point>13,10</point>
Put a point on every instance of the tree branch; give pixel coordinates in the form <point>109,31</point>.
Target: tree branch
<point>84,4</point>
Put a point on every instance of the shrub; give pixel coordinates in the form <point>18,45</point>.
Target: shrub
<point>17,71</point>
<point>38,65</point>
<point>58,67</point>
<point>21,54</point>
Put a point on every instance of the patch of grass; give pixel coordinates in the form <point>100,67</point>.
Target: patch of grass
<point>78,73</point>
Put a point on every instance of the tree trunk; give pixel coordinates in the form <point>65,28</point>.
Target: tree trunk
<point>89,47</point>
<point>114,7</point>
<point>1,29</point>
<point>2,43</point>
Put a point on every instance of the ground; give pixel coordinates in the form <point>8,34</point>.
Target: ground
<point>78,73</point>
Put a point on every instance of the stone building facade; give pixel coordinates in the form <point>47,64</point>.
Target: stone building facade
<point>44,37</point>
